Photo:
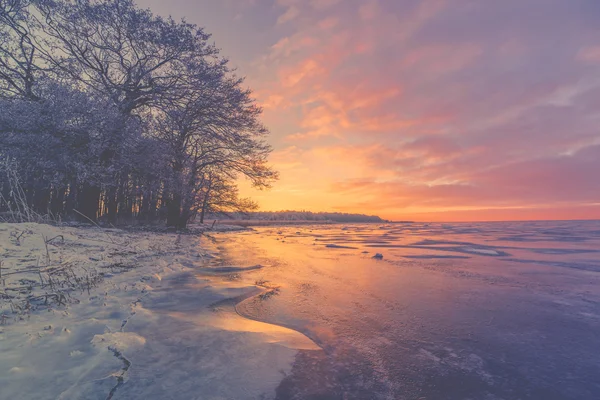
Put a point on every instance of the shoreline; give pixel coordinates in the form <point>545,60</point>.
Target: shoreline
<point>97,337</point>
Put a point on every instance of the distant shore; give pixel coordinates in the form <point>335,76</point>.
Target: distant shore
<point>250,222</point>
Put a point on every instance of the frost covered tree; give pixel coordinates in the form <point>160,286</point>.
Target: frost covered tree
<point>214,126</point>
<point>112,112</point>
<point>220,196</point>
<point>19,66</point>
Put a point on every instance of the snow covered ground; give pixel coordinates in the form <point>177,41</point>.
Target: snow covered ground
<point>100,314</point>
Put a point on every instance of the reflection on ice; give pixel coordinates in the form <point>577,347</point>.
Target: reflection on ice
<point>453,311</point>
<point>269,333</point>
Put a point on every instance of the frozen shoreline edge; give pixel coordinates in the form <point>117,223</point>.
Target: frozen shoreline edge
<point>125,288</point>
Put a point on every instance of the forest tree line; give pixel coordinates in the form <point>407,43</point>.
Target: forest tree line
<point>110,112</point>
<point>305,216</point>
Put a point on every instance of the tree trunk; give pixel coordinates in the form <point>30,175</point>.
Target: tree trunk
<point>89,201</point>
<point>174,211</point>
<point>146,212</point>
<point>126,197</point>
<point>57,201</point>
<point>176,198</point>
<point>41,200</point>
<point>205,204</point>
<point>183,219</point>
<point>111,204</point>
<point>71,202</point>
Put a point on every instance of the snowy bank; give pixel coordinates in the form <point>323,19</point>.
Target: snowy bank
<point>101,314</point>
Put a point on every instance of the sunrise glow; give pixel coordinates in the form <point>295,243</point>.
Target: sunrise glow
<point>420,109</point>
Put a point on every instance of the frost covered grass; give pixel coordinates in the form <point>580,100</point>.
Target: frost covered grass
<point>47,268</point>
<point>59,281</point>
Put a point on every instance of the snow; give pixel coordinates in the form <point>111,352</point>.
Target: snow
<point>339,246</point>
<point>98,314</point>
<point>487,252</point>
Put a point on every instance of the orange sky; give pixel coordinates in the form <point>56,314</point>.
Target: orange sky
<point>421,110</point>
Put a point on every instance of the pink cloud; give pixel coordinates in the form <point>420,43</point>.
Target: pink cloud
<point>307,69</point>
<point>329,23</point>
<point>423,106</point>
<point>369,10</point>
<point>589,55</point>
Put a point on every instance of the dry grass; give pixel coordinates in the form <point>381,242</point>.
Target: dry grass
<point>42,268</point>
<point>15,204</point>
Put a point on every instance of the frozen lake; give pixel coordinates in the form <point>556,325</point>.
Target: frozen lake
<point>452,311</point>
<point>457,311</point>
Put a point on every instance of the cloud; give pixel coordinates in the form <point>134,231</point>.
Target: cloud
<point>323,4</point>
<point>558,180</point>
<point>290,14</point>
<point>589,55</point>
<point>369,10</point>
<point>307,69</point>
<point>430,106</point>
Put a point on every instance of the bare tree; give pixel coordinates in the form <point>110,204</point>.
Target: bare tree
<point>220,196</point>
<point>214,126</point>
<point>119,50</point>
<point>18,54</point>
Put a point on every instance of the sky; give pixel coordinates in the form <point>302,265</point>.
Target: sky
<point>439,110</point>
